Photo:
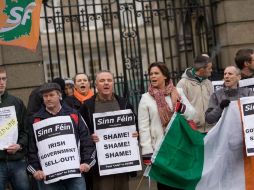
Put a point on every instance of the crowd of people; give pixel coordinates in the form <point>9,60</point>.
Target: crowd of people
<point>193,97</point>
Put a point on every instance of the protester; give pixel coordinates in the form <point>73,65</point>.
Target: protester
<point>198,88</point>
<point>220,99</point>
<point>51,93</point>
<point>35,101</point>
<point>69,87</point>
<point>156,108</point>
<point>244,60</point>
<point>105,101</point>
<point>12,154</point>
<point>82,91</point>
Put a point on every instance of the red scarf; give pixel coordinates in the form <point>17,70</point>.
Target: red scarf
<point>163,108</point>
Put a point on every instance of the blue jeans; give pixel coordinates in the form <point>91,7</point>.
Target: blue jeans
<point>15,173</point>
<point>77,183</point>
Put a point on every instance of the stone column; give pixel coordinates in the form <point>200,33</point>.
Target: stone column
<point>234,27</point>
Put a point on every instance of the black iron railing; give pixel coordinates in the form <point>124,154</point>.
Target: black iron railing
<point>125,37</point>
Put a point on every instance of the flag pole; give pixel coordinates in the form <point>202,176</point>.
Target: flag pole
<point>140,181</point>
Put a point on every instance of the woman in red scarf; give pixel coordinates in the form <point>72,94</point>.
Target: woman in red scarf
<point>156,108</point>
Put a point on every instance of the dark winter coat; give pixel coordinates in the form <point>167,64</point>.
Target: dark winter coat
<point>87,148</point>
<point>9,100</point>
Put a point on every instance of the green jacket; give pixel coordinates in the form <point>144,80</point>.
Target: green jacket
<point>9,100</point>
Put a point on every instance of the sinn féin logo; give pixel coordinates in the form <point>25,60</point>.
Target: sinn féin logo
<point>16,18</point>
<point>248,109</point>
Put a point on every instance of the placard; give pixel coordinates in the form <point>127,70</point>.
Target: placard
<point>8,127</point>
<point>247,106</point>
<point>117,150</point>
<point>57,148</point>
<point>249,83</point>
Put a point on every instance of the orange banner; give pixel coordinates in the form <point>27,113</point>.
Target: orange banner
<point>20,23</point>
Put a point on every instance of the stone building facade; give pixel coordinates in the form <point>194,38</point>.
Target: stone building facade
<point>233,24</point>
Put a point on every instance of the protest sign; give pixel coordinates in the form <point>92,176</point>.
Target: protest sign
<point>8,127</point>
<point>249,83</point>
<point>217,85</point>
<point>117,150</point>
<point>57,148</point>
<point>247,112</point>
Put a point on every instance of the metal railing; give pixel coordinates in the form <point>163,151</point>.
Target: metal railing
<point>125,37</point>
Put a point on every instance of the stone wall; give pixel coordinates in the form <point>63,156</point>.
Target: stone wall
<point>24,70</point>
<point>234,27</point>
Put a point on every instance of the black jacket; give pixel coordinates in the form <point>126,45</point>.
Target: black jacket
<point>35,102</point>
<point>87,148</point>
<point>9,100</point>
<point>72,102</point>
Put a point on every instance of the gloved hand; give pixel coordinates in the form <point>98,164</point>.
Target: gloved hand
<point>224,103</point>
<point>147,159</point>
<point>180,107</point>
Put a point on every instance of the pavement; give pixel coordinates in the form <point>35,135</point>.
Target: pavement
<point>134,181</point>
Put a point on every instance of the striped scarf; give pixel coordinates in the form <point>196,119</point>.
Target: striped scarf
<point>163,108</point>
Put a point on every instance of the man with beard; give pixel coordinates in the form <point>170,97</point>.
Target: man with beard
<point>244,60</point>
<point>231,91</point>
<point>81,92</point>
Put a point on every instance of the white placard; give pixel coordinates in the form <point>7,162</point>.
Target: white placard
<point>247,83</point>
<point>117,150</point>
<point>247,107</point>
<point>242,83</point>
<point>8,127</point>
<point>217,85</point>
<point>57,148</point>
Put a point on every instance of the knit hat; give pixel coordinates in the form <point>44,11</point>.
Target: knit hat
<point>47,87</point>
<point>69,81</point>
<point>201,61</point>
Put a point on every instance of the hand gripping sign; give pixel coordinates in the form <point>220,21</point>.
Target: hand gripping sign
<point>57,148</point>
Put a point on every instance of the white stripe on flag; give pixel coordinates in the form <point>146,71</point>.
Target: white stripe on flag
<point>223,159</point>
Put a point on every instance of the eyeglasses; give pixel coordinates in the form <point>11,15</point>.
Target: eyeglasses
<point>3,78</point>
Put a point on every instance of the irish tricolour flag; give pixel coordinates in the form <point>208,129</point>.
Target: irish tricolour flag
<point>187,159</point>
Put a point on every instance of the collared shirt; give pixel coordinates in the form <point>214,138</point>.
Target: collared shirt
<point>55,112</point>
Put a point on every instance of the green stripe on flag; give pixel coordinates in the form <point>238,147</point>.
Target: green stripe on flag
<point>179,160</point>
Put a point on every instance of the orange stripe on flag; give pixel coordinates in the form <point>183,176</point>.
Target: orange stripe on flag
<point>248,161</point>
<point>249,171</point>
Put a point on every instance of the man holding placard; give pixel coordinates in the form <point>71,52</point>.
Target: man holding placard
<point>112,124</point>
<point>13,139</point>
<point>60,146</point>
